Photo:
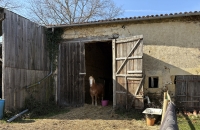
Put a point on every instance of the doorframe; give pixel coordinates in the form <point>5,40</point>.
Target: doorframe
<point>82,40</point>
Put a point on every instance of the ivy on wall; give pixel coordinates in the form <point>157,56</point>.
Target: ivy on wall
<point>53,39</point>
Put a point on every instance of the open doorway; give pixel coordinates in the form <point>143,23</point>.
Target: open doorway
<point>98,61</point>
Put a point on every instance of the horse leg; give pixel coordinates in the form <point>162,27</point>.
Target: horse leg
<point>95,100</point>
<point>92,99</point>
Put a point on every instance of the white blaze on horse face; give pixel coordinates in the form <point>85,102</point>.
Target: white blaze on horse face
<point>91,81</point>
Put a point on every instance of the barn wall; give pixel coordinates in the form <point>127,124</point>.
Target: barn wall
<point>171,46</point>
<point>25,60</point>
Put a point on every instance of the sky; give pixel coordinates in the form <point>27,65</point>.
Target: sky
<point>145,7</point>
<point>152,7</point>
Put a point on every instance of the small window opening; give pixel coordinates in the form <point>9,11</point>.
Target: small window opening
<point>153,82</point>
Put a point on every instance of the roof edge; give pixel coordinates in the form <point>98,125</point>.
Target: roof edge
<point>119,20</point>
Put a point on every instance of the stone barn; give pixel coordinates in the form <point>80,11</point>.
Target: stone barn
<point>135,57</point>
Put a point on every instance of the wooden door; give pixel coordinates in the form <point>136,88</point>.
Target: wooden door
<point>70,91</point>
<point>187,91</point>
<point>128,72</point>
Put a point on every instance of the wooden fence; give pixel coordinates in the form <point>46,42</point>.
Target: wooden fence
<point>24,60</point>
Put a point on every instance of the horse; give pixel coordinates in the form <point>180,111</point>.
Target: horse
<point>96,90</point>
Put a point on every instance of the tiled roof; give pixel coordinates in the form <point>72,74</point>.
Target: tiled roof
<point>148,17</point>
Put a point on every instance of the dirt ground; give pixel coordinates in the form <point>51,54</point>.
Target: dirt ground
<point>84,118</point>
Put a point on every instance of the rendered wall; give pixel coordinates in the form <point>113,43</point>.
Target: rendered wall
<point>171,46</point>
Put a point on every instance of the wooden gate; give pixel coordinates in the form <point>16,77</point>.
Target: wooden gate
<point>70,90</point>
<point>128,72</point>
<point>188,91</point>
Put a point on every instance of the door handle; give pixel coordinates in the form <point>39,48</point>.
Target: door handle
<point>82,73</point>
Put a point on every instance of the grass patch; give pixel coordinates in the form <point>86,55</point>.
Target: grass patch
<point>186,122</point>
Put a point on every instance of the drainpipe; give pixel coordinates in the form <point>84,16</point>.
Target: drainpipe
<point>37,83</point>
<point>14,117</point>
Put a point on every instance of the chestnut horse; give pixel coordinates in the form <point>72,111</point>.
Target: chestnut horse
<point>96,90</point>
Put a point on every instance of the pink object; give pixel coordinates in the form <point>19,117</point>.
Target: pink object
<point>104,102</point>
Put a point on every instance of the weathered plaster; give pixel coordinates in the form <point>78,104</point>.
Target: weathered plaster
<point>170,48</point>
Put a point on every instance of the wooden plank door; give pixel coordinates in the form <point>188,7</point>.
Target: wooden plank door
<point>70,90</point>
<point>128,72</point>
<point>188,91</point>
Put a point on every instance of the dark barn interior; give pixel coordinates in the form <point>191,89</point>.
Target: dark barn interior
<point>98,61</point>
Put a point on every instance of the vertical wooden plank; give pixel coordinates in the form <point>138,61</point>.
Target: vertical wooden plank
<point>58,76</point>
<point>82,70</point>
<point>76,75</point>
<point>46,54</point>
<point>135,53</point>
<point>17,90</point>
<point>63,84</point>
<point>33,44</point>
<point>140,53</point>
<point>130,67</point>
<point>36,46</point>
<point>15,56</point>
<point>25,44</point>
<point>28,44</point>
<point>195,90</point>
<point>190,90</point>
<point>64,71</point>
<point>20,45</point>
<point>5,86</point>
<point>23,84</point>
<point>67,73</point>
<point>8,34</point>
<point>118,96</point>
<point>130,64</point>
<point>114,72</point>
<point>79,78</point>
<point>12,88</point>
<point>124,71</point>
<point>42,67</point>
<point>72,72</point>
<point>12,42</point>
<point>40,53</point>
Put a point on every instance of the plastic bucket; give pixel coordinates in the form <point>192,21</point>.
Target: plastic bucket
<point>2,104</point>
<point>150,121</point>
<point>104,102</point>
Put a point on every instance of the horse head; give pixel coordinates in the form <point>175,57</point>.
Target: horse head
<point>91,80</point>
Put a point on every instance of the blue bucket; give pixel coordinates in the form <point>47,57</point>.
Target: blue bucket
<point>2,104</point>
